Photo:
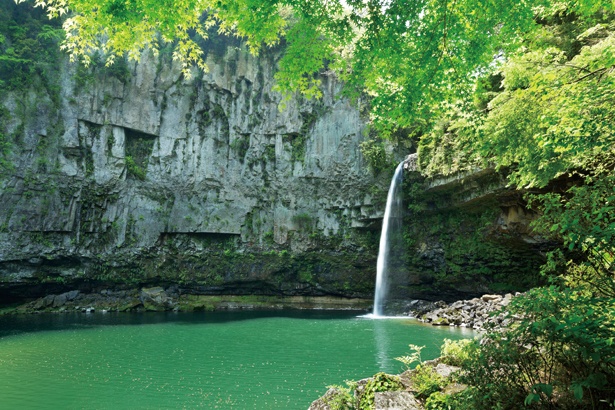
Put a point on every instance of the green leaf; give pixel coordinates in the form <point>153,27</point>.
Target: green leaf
<point>544,388</point>
<point>577,391</point>
<point>531,398</point>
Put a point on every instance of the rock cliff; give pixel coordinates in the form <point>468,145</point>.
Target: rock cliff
<point>135,174</point>
<point>115,179</point>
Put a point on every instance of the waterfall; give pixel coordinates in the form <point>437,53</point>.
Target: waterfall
<point>391,221</point>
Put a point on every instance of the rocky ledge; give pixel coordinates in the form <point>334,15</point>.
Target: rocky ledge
<point>402,391</point>
<point>473,313</point>
<point>174,298</point>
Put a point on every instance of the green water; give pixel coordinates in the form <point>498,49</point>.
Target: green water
<point>214,360</point>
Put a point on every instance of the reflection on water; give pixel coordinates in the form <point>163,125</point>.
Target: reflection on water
<point>225,360</point>
<point>382,344</point>
<point>382,339</point>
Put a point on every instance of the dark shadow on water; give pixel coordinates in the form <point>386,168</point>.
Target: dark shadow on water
<point>19,324</point>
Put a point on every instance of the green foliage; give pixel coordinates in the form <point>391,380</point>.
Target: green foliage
<point>464,400</point>
<point>443,401</point>
<point>134,169</point>
<point>303,221</point>
<point>381,382</point>
<point>268,237</point>
<point>374,152</point>
<point>6,165</point>
<point>425,381</point>
<point>550,115</point>
<point>241,144</point>
<point>298,144</point>
<point>138,150</point>
<point>119,69</point>
<point>28,48</point>
<point>269,154</point>
<point>98,69</point>
<point>450,146</point>
<point>414,356</point>
<point>455,352</point>
<point>407,55</point>
<point>548,129</point>
<point>551,118</point>
<point>344,398</point>
<point>118,28</point>
<point>305,43</point>
<point>559,353</point>
<point>583,218</point>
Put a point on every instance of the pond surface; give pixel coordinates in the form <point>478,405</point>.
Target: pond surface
<point>212,360</point>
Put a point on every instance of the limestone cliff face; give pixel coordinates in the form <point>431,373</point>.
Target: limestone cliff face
<point>136,175</point>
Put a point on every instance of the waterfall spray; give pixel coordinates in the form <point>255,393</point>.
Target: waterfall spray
<point>392,215</point>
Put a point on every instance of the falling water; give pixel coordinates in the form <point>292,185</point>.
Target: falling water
<point>389,223</point>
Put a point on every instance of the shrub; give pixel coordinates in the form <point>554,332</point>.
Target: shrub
<point>343,398</point>
<point>558,354</point>
<point>459,401</point>
<point>414,356</point>
<point>134,169</point>
<point>375,154</point>
<point>425,381</point>
<point>455,353</point>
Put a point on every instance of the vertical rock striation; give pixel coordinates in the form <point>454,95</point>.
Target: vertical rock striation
<point>136,175</point>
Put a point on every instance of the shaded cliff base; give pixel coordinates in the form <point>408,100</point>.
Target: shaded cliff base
<point>175,299</point>
<point>229,272</point>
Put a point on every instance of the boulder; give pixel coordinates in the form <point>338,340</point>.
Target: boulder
<point>454,388</point>
<point>445,370</point>
<point>396,400</point>
<point>441,321</point>
<point>489,298</point>
<point>506,300</point>
<point>59,300</point>
<point>71,295</point>
<point>156,299</point>
<point>458,305</point>
<point>322,403</point>
<point>475,313</point>
<point>47,301</point>
<point>38,304</point>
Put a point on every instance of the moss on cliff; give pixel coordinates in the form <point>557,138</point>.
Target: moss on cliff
<point>208,272</point>
<point>454,249</point>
